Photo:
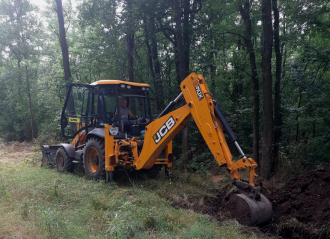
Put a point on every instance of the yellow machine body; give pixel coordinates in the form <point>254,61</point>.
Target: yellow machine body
<point>103,149</point>
<point>160,132</point>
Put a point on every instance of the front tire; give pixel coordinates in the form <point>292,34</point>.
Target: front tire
<point>63,161</point>
<point>94,158</point>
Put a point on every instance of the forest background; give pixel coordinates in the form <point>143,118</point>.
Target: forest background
<point>266,62</point>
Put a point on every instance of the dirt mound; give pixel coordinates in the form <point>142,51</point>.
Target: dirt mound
<point>307,198</point>
<point>301,208</point>
<point>212,206</point>
<point>303,204</point>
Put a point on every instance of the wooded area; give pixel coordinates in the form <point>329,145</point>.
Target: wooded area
<point>266,62</point>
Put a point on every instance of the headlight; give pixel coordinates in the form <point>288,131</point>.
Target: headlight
<point>113,130</point>
<point>122,86</point>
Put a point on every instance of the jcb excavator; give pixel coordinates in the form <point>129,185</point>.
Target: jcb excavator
<point>104,137</point>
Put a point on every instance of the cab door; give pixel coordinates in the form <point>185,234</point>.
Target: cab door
<point>76,115</point>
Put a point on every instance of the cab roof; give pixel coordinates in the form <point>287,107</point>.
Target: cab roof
<point>118,82</point>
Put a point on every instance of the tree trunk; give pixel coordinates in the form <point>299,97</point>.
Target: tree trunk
<point>149,54</point>
<point>130,59</point>
<point>30,102</point>
<point>157,74</point>
<point>277,99</point>
<point>267,163</point>
<point>245,13</point>
<point>130,47</point>
<point>17,52</point>
<point>297,117</point>
<point>64,45</point>
<point>177,65</point>
<point>213,67</point>
<point>153,60</point>
<point>179,39</point>
<point>19,79</point>
<point>182,65</point>
<point>130,41</point>
<point>283,47</point>
<point>186,36</point>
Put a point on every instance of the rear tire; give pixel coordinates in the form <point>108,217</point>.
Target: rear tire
<point>94,158</point>
<point>63,161</point>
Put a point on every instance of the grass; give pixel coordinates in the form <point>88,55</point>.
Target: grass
<point>41,203</point>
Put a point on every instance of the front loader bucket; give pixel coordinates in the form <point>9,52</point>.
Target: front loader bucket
<point>48,155</point>
<point>248,206</point>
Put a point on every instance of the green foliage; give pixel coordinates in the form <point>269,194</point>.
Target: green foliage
<point>96,35</point>
<point>202,162</point>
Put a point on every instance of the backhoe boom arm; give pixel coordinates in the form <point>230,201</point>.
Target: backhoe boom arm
<point>209,120</point>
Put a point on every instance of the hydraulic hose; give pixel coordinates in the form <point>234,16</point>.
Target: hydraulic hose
<point>170,106</point>
<point>227,127</point>
<point>224,122</point>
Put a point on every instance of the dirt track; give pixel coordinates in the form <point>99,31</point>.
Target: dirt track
<point>15,152</point>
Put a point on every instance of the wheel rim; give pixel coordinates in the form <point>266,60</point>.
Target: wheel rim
<point>93,159</point>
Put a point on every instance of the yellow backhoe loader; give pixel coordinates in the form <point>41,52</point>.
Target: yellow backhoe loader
<point>100,118</point>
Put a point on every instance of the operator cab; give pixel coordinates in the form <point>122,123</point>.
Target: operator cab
<point>101,103</point>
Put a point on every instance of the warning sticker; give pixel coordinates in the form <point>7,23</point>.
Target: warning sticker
<point>74,120</point>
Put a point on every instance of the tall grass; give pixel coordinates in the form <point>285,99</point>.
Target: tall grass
<point>41,203</point>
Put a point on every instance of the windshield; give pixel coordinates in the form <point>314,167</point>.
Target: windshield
<point>136,100</point>
<point>136,107</point>
<point>132,103</point>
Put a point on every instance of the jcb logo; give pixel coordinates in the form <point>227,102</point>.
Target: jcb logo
<point>164,130</point>
<point>198,90</point>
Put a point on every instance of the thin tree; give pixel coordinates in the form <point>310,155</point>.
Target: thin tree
<point>152,52</point>
<point>267,163</point>
<point>182,64</point>
<point>130,34</point>
<point>130,40</point>
<point>63,42</point>
<point>30,101</point>
<point>277,99</point>
<point>244,9</point>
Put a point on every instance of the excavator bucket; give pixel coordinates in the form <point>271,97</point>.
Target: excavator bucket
<point>248,206</point>
<point>48,155</point>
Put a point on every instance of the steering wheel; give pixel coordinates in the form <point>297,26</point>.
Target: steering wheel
<point>141,120</point>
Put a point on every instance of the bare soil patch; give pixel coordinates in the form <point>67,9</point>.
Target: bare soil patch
<point>301,208</point>
<point>15,152</point>
<point>212,206</point>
